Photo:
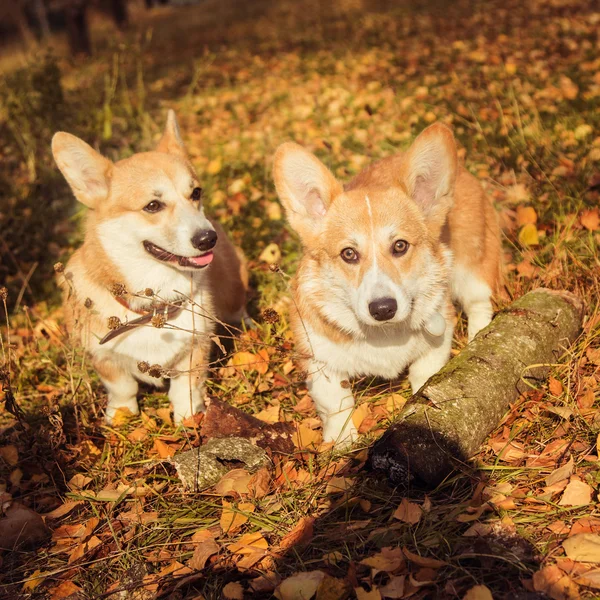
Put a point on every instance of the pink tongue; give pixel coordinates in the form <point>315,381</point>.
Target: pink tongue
<point>205,259</point>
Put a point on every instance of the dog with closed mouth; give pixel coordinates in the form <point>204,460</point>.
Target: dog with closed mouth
<point>153,275</point>
<point>383,259</point>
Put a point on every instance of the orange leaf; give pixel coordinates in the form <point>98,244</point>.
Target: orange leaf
<point>590,219</point>
<point>269,414</point>
<point>233,518</point>
<point>203,551</point>
<point>234,483</point>
<point>10,454</point>
<point>260,483</point>
<point>233,591</point>
<point>408,512</point>
<point>526,215</point>
<point>577,493</point>
<point>555,386</point>
<point>64,590</point>
<point>551,581</point>
<point>302,533</point>
<point>138,435</point>
<point>306,437</point>
<point>162,449</point>
<point>388,560</point>
<point>360,414</point>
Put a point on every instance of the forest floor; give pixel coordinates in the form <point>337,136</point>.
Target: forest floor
<point>520,84</point>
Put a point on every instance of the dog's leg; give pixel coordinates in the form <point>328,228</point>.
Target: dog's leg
<point>186,392</point>
<point>432,361</point>
<point>474,296</point>
<point>121,386</point>
<point>335,404</point>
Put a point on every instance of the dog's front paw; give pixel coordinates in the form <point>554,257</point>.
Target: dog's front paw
<point>340,429</point>
<point>125,405</point>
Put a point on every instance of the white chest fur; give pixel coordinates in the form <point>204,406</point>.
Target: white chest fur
<point>385,355</point>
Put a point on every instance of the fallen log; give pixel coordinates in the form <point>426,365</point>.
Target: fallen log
<point>446,421</point>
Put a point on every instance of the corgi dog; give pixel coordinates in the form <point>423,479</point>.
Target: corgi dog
<point>153,275</point>
<point>383,259</point>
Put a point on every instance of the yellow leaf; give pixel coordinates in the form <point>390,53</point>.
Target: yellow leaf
<point>394,403</point>
<point>388,560</point>
<point>274,211</point>
<point>555,584</point>
<point>34,580</point>
<point>121,416</point>
<point>271,254</point>
<point>306,437</point>
<point>248,544</point>
<point>510,68</point>
<point>269,414</point>
<point>478,592</point>
<point>361,412</point>
<point>64,590</point>
<point>528,236</point>
<point>214,166</point>
<point>165,415</point>
<point>233,518</point>
<point>583,547</point>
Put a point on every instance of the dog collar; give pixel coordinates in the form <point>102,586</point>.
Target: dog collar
<point>166,311</point>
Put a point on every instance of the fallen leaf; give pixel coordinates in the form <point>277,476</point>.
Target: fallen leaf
<point>517,193</point>
<point>586,400</point>
<point>423,561</point>
<point>301,533</point>
<point>214,166</point>
<point>590,219</point>
<point>269,414</point>
<point>362,594</point>
<point>526,215</point>
<point>83,548</point>
<point>63,509</point>
<point>34,580</point>
<point>408,512</point>
<point>589,579</point>
<point>10,454</point>
<point>394,588</point>
<point>21,526</point>
<point>301,586</point>
<point>507,451</point>
<point>78,481</point>
<point>162,449</point>
<point>337,485</point>
<point>388,560</point>
<point>478,592</point>
<point>204,549</point>
<point>233,483</point>
<point>583,547</point>
<point>165,415</point>
<point>233,518</point>
<point>271,254</point>
<point>306,437</point>
<point>528,236</point>
<point>360,413</point>
<point>553,582</point>
<point>555,386</point>
<point>395,403</point>
<point>260,483</point>
<point>233,591</point>
<point>577,493</point>
<point>593,355</point>
<point>249,543</point>
<point>561,473</point>
<point>138,435</point>
<point>64,590</point>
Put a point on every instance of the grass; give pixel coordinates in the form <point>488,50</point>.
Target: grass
<point>354,83</point>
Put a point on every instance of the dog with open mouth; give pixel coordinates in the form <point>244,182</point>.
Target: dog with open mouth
<point>154,274</point>
<point>383,259</point>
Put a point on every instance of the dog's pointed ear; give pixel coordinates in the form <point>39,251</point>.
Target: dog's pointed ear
<point>428,173</point>
<point>171,141</point>
<point>87,172</point>
<point>305,186</point>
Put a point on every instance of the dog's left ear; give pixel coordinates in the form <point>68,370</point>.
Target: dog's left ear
<point>428,174</point>
<point>171,141</point>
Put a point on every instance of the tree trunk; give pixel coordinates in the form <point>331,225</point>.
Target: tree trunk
<point>449,418</point>
<point>77,28</point>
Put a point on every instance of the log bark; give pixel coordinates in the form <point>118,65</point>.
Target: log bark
<point>447,420</point>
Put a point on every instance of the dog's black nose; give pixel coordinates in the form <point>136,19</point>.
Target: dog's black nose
<point>383,309</point>
<point>205,239</point>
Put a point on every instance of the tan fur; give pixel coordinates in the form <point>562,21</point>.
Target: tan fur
<point>422,197</point>
<point>118,193</point>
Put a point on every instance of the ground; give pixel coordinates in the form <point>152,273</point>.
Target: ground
<point>354,81</point>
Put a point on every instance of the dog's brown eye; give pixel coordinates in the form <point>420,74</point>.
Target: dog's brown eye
<point>196,193</point>
<point>154,206</point>
<point>349,255</point>
<point>400,247</point>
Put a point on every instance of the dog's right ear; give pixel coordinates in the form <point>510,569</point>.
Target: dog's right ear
<point>305,186</point>
<point>86,171</point>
